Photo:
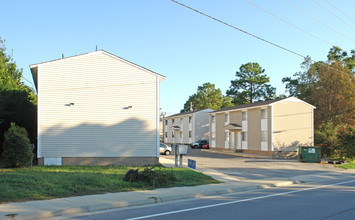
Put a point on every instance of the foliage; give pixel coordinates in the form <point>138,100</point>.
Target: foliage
<point>10,76</point>
<point>49,182</point>
<point>349,165</point>
<point>325,137</point>
<point>337,54</point>
<point>19,106</point>
<point>330,86</point>
<point>17,101</point>
<point>336,141</point>
<point>303,83</point>
<point>17,147</point>
<point>250,85</point>
<point>346,141</point>
<point>207,96</point>
<point>154,176</point>
<point>334,95</point>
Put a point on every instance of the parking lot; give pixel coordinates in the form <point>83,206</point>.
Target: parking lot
<point>243,166</point>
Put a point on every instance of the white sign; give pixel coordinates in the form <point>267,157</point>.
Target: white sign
<point>311,150</point>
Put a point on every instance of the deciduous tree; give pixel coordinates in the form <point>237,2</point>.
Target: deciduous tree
<point>334,94</point>
<point>207,96</point>
<point>17,101</point>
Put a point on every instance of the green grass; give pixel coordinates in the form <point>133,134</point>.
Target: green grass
<point>349,165</point>
<point>49,182</point>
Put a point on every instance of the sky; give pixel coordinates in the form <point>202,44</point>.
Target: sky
<point>186,47</point>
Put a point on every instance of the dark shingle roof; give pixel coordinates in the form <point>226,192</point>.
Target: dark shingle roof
<point>249,105</point>
<point>184,113</point>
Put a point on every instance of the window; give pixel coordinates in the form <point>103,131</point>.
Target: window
<point>213,135</point>
<point>172,134</point>
<point>244,136</point>
<point>264,136</point>
<point>181,135</point>
<point>166,122</point>
<point>190,119</point>
<point>166,134</point>
<point>190,134</point>
<point>263,113</point>
<point>244,116</point>
<point>180,120</point>
<point>213,119</point>
<point>227,136</point>
<point>226,116</point>
<point>173,120</point>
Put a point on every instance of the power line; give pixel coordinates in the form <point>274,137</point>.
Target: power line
<point>245,32</point>
<point>234,27</point>
<point>289,23</point>
<point>322,23</point>
<point>340,10</point>
<point>28,81</point>
<point>330,12</point>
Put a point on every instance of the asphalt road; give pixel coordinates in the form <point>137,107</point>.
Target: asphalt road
<point>331,200</point>
<point>243,168</point>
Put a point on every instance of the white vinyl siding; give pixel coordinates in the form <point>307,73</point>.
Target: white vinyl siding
<point>100,123</point>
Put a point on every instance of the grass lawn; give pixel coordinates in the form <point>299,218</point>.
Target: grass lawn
<point>48,182</point>
<point>349,165</point>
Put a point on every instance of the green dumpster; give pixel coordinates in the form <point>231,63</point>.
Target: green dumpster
<point>309,154</point>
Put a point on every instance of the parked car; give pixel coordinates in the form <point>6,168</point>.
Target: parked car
<point>165,149</point>
<point>199,144</point>
<point>206,146</point>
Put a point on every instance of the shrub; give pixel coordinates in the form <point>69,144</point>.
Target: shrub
<point>336,141</point>
<point>154,176</point>
<point>17,147</point>
<point>325,136</point>
<point>346,141</point>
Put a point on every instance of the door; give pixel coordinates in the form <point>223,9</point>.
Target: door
<point>231,140</point>
<point>226,142</point>
<point>239,140</point>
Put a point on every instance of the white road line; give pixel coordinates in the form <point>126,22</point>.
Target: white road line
<point>237,201</point>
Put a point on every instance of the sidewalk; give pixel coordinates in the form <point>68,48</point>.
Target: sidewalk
<point>82,204</point>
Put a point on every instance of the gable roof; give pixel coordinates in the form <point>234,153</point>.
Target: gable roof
<point>187,113</point>
<point>258,104</point>
<point>34,70</point>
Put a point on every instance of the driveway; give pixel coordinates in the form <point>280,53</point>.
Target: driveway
<point>242,167</point>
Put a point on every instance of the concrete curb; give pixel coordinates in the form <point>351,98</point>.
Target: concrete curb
<point>82,204</point>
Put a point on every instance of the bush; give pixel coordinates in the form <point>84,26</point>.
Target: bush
<point>325,137</point>
<point>154,176</point>
<point>346,141</point>
<point>336,141</point>
<point>17,147</point>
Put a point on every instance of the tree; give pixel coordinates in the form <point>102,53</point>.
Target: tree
<point>250,85</point>
<point>327,85</point>
<point>303,83</point>
<point>334,94</point>
<point>337,54</point>
<point>10,76</point>
<point>207,96</point>
<point>18,103</point>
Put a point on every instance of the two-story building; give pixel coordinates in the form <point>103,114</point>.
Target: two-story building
<point>274,127</point>
<point>187,127</point>
<point>97,109</point>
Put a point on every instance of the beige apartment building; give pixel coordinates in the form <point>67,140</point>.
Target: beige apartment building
<point>273,128</point>
<point>97,109</point>
<point>187,127</point>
